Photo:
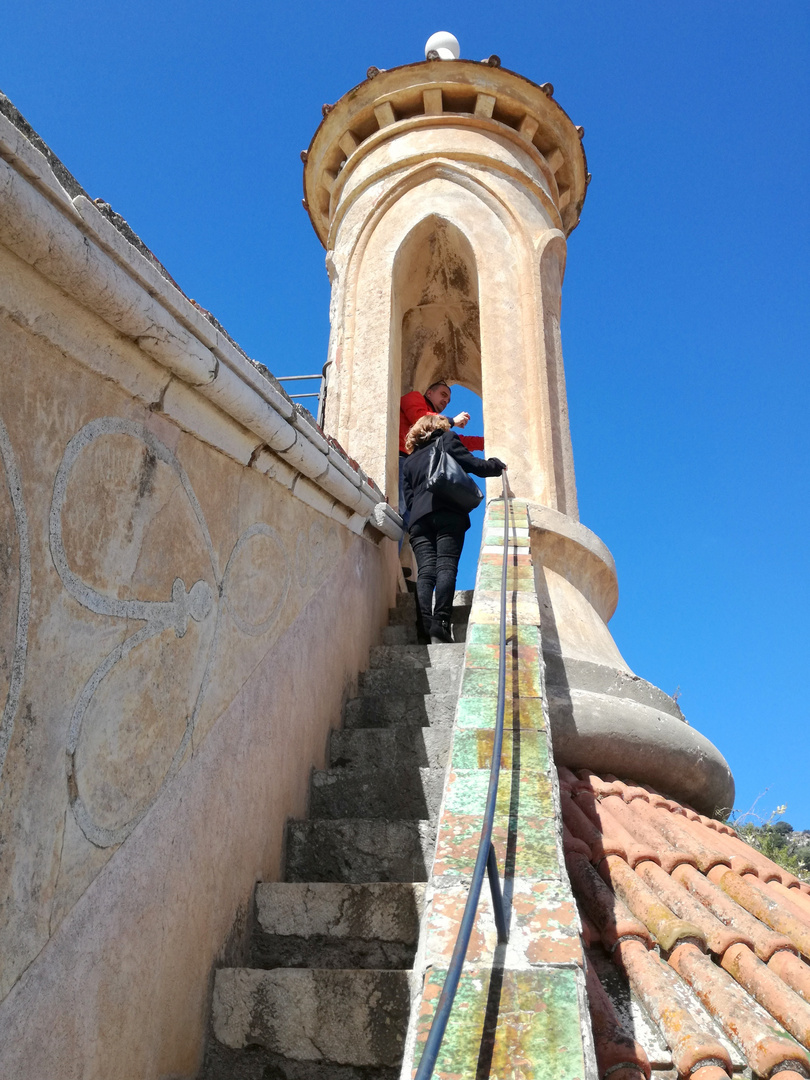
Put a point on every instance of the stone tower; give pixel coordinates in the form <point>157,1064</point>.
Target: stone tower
<point>444,193</point>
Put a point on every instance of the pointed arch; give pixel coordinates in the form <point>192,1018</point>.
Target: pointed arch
<point>435,288</point>
<point>439,277</point>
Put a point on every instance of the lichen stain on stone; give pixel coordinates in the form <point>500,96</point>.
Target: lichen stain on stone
<point>146,476</point>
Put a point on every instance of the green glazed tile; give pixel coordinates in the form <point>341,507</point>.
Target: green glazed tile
<point>518,557</point>
<point>476,712</point>
<point>487,634</point>
<point>523,683</point>
<point>495,539</point>
<point>488,656</point>
<point>489,599</point>
<point>465,795</point>
<point>526,848</point>
<point>516,510</point>
<point>525,796</point>
<point>536,1021</point>
<point>472,749</point>
<point>516,526</point>
<point>518,614</point>
<point>483,656</point>
<point>517,577</point>
<point>479,712</point>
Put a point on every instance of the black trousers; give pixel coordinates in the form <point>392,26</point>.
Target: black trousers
<point>437,540</point>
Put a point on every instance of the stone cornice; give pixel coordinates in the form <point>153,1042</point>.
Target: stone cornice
<point>75,247</point>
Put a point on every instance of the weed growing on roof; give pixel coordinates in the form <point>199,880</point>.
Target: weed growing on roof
<point>777,840</point>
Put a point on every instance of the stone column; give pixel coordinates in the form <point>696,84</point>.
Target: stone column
<point>444,193</point>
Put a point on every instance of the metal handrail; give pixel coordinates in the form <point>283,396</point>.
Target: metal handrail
<point>321,394</point>
<point>299,378</point>
<point>486,859</point>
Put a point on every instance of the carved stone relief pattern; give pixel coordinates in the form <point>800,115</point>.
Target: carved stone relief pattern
<point>15,590</point>
<point>165,625</point>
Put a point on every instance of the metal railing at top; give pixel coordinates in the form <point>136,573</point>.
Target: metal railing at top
<point>486,859</point>
<point>320,395</point>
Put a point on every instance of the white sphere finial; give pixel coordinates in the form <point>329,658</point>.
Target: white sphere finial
<point>444,43</point>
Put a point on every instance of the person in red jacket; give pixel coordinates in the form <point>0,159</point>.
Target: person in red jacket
<point>413,407</point>
<point>434,400</point>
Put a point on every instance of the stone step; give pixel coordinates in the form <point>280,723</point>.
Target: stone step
<point>399,635</point>
<point>257,1063</point>
<point>408,680</point>
<point>327,1016</point>
<point>459,620</point>
<point>390,794</point>
<point>404,614</point>
<point>331,925</point>
<point>416,656</point>
<point>405,610</point>
<point>406,634</point>
<point>359,850</point>
<point>409,710</point>
<point>403,747</point>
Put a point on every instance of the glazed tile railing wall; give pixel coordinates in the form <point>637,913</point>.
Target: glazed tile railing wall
<point>523,1002</point>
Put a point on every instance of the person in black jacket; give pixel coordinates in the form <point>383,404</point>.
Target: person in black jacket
<point>436,527</point>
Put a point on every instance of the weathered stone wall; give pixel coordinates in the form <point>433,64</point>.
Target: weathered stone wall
<point>190,579</point>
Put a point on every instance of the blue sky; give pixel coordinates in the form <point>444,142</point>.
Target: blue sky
<point>686,306</point>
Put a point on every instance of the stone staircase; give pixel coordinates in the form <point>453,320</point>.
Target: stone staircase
<point>327,994</point>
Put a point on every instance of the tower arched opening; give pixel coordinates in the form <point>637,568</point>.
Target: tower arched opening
<point>435,307</point>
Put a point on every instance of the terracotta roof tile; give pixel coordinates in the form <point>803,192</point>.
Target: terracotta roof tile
<point>688,837</point>
<point>709,1072</point>
<point>749,894</point>
<point>655,798</point>
<point>717,935</point>
<point>716,826</point>
<point>763,984</point>
<point>765,869</point>
<point>796,901</point>
<point>567,778</point>
<point>662,877</point>
<point>689,1039</point>
<point>597,784</point>
<point>629,791</point>
<point>636,818</point>
<point>611,917</point>
<point>764,941</point>
<point>747,1024</point>
<point>613,831</point>
<point>662,923</point>
<point>581,826</point>
<point>590,935</point>
<point>573,843</point>
<point>719,842</point>
<point>615,1046</point>
<point>792,970</point>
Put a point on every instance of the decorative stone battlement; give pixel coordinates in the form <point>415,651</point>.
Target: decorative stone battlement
<point>436,94</point>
